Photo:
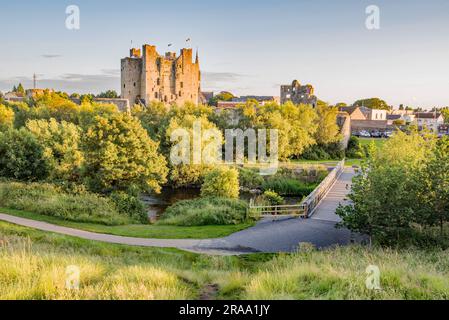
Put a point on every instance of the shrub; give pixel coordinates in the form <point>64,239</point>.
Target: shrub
<point>249,178</point>
<point>6,117</point>
<point>49,200</point>
<point>288,186</point>
<point>355,149</point>
<point>221,182</point>
<point>273,198</point>
<point>130,205</point>
<point>21,156</point>
<point>205,211</point>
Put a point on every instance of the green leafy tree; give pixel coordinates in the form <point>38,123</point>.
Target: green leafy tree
<point>20,89</point>
<point>110,94</point>
<point>61,142</point>
<point>383,196</point>
<point>6,117</point>
<point>329,131</point>
<point>372,103</point>
<point>119,155</point>
<point>221,182</point>
<point>21,156</point>
<point>222,96</point>
<point>445,112</point>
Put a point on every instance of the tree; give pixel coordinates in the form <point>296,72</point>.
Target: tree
<point>221,182</point>
<point>222,96</point>
<point>372,103</point>
<point>20,89</point>
<point>445,112</point>
<point>384,194</point>
<point>21,156</point>
<point>119,155</point>
<point>6,117</point>
<point>341,104</point>
<point>110,94</point>
<point>327,123</point>
<point>61,142</point>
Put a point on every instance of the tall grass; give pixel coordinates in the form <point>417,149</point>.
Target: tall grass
<point>49,200</point>
<point>288,186</point>
<point>205,211</point>
<point>33,266</point>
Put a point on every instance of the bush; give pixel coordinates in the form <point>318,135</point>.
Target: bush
<point>49,200</point>
<point>355,149</point>
<point>130,205</point>
<point>21,156</point>
<point>249,178</point>
<point>331,151</point>
<point>273,198</point>
<point>221,182</point>
<point>205,211</point>
<point>288,186</point>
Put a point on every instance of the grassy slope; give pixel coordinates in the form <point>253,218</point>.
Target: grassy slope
<point>139,230</point>
<point>33,264</point>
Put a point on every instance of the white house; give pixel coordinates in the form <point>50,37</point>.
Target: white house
<point>429,120</point>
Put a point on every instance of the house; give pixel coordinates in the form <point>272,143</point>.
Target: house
<point>429,120</point>
<point>354,113</point>
<point>374,114</point>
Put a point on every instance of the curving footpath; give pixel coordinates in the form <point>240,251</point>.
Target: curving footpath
<point>270,236</point>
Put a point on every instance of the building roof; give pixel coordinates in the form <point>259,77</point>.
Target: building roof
<point>349,110</point>
<point>394,117</point>
<point>427,115</point>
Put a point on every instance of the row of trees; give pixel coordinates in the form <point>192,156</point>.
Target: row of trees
<point>402,192</point>
<point>96,146</point>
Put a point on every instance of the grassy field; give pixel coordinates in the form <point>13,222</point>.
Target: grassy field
<point>139,230</point>
<point>379,142</point>
<point>33,266</point>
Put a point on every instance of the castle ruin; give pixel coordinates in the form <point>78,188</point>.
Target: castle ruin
<point>298,94</point>
<point>147,76</point>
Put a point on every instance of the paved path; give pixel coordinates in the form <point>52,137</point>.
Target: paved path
<point>282,235</point>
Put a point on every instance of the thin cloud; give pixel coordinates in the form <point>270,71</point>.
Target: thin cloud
<point>51,56</point>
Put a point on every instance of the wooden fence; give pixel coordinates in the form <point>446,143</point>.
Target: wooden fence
<point>307,206</point>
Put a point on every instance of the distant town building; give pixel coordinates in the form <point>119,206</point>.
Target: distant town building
<point>298,94</point>
<point>206,96</point>
<point>147,76</point>
<point>261,99</point>
<point>429,120</point>
<point>33,93</point>
<point>354,113</point>
<point>374,114</point>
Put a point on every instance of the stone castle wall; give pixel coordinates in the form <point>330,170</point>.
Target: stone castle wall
<point>152,77</point>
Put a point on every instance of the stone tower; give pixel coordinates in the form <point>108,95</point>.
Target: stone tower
<point>298,94</point>
<point>147,76</point>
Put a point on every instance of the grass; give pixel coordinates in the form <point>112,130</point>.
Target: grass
<point>33,266</point>
<point>49,200</point>
<point>206,211</point>
<point>289,186</point>
<point>379,142</point>
<point>138,230</point>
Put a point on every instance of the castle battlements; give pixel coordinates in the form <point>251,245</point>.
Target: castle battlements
<point>148,76</point>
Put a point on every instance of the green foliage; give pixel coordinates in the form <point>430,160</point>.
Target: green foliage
<point>20,89</point>
<point>401,194</point>
<point>221,182</point>
<point>61,142</point>
<point>222,96</point>
<point>21,156</point>
<point>130,205</point>
<point>110,94</point>
<point>6,118</point>
<point>120,155</point>
<point>331,151</point>
<point>288,186</point>
<point>273,198</point>
<point>445,112</point>
<point>372,103</point>
<point>250,178</point>
<point>328,132</point>
<point>355,149</point>
<point>49,200</point>
<point>205,211</point>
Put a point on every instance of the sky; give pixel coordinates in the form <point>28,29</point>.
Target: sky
<point>247,47</point>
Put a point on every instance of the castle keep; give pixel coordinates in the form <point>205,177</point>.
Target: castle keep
<point>147,76</point>
<point>298,94</point>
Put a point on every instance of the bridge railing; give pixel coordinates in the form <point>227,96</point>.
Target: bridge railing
<point>307,206</point>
